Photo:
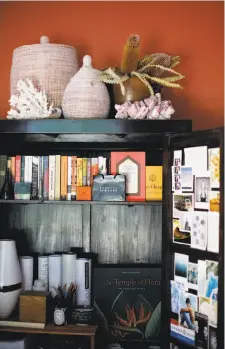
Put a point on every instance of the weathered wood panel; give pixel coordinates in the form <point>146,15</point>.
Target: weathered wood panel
<point>47,228</point>
<point>117,233</point>
<point>122,234</point>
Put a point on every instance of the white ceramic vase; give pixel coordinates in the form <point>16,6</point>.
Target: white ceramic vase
<point>10,277</point>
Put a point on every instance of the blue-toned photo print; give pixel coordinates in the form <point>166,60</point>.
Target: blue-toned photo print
<point>188,307</point>
<point>181,265</point>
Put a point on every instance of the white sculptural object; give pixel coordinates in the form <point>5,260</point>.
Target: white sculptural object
<point>30,103</point>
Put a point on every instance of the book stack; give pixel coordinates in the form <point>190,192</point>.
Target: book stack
<point>55,177</point>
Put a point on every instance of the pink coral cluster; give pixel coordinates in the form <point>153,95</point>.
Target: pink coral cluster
<point>150,108</point>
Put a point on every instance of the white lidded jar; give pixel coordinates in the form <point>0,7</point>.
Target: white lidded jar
<point>86,97</point>
<point>10,278</point>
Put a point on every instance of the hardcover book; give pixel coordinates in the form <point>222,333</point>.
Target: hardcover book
<point>127,303</point>
<point>153,183</point>
<point>132,165</point>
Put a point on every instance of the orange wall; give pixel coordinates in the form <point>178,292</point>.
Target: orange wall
<point>193,30</point>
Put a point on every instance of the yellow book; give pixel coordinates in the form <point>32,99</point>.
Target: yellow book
<point>153,183</point>
<point>79,172</point>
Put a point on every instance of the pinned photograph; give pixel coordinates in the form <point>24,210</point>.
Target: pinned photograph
<point>199,230</point>
<point>214,201</point>
<point>209,307</point>
<point>212,343</point>
<point>204,305</point>
<point>201,277</point>
<point>202,189</point>
<point>182,203</point>
<point>201,331</point>
<point>192,277</point>
<point>185,221</point>
<point>175,297</point>
<point>212,273</point>
<point>180,237</point>
<point>176,178</point>
<point>214,167</point>
<point>188,307</point>
<point>177,158</point>
<point>181,268</point>
<point>213,232</point>
<point>197,158</point>
<point>186,178</point>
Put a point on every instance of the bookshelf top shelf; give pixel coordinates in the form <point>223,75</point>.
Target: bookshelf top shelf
<point>106,126</point>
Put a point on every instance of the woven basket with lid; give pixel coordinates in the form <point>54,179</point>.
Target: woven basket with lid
<point>49,66</point>
<point>85,96</point>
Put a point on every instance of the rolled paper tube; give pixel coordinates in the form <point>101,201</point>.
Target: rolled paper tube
<point>68,268</point>
<point>26,264</point>
<point>55,270</point>
<point>43,270</point>
<point>83,282</point>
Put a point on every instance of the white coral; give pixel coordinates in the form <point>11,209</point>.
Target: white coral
<point>30,103</point>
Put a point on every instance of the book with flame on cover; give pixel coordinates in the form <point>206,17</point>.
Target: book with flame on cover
<point>127,303</point>
<point>132,165</point>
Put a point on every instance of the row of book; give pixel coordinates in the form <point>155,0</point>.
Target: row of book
<point>55,177</point>
<point>62,177</point>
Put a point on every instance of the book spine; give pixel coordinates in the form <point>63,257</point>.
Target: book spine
<point>45,177</point>
<point>94,168</point>
<point>34,186</point>
<point>18,168</point>
<point>22,169</point>
<point>3,166</point>
<point>84,174</point>
<point>13,170</point>
<point>69,177</point>
<point>28,169</point>
<point>64,165</point>
<point>51,195</point>
<point>100,164</point>
<point>79,172</point>
<point>9,168</point>
<point>40,178</point>
<point>57,176</point>
<point>74,178</point>
<point>89,172</point>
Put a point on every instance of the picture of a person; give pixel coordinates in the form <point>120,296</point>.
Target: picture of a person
<point>203,193</point>
<point>187,316</point>
<point>187,226</point>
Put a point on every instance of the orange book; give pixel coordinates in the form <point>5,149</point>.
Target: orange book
<point>132,165</point>
<point>64,169</point>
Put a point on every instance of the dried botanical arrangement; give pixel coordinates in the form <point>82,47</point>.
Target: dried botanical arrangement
<point>143,74</point>
<point>31,103</point>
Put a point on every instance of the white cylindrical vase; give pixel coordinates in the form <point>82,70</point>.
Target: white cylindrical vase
<point>10,277</point>
<point>83,282</point>
<point>68,268</point>
<point>43,270</point>
<point>55,270</point>
<point>26,265</point>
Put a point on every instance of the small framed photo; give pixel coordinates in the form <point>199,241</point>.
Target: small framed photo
<point>186,178</point>
<point>182,203</point>
<point>202,191</point>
